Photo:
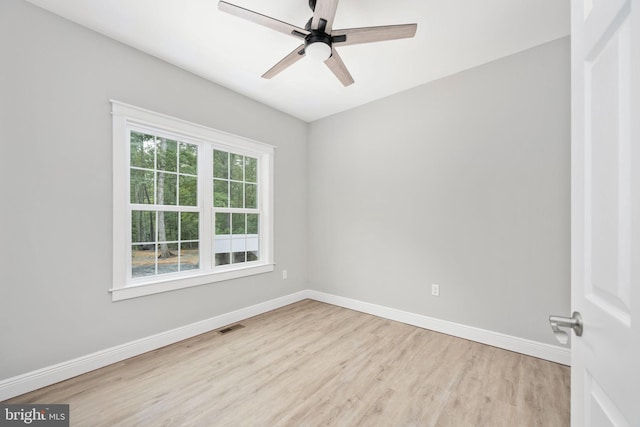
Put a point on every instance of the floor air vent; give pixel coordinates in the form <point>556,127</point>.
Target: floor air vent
<point>232,328</point>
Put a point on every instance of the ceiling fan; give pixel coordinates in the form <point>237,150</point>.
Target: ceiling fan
<point>319,39</point>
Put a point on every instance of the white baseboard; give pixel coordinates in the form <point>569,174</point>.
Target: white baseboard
<point>34,380</point>
<point>549,352</point>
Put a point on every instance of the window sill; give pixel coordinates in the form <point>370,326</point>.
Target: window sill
<point>139,290</point>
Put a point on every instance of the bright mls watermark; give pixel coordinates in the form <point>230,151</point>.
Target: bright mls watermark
<point>34,415</point>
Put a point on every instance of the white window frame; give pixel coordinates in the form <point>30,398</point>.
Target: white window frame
<point>127,118</point>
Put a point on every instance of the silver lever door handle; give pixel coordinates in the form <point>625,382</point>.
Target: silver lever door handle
<point>574,322</point>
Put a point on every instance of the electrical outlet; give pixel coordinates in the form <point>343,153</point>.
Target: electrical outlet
<point>435,290</point>
<point>284,274</point>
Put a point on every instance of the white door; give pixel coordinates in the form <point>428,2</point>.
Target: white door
<point>605,242</point>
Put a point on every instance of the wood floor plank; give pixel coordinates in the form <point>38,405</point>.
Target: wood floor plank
<point>313,364</point>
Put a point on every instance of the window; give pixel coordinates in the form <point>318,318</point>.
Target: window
<point>192,205</point>
<point>163,205</point>
<point>236,213</point>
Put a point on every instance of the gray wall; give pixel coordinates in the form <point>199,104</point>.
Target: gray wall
<point>56,79</point>
<point>463,182</point>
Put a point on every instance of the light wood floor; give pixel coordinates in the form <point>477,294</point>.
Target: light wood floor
<point>313,364</point>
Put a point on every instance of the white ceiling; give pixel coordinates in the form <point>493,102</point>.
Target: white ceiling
<point>453,35</point>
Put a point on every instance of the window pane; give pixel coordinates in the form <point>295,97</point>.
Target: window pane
<point>189,226</point>
<point>223,221</point>
<point>166,187</point>
<point>250,169</point>
<point>189,256</point>
<point>143,228</point>
<point>250,196</point>
<point>167,226</point>
<point>188,158</point>
<point>252,223</point>
<point>220,164</point>
<point>222,259</point>
<point>237,167</point>
<point>141,187</point>
<point>167,155</point>
<point>142,150</point>
<point>236,195</point>
<point>238,243</point>
<point>167,258</point>
<point>238,223</point>
<point>253,256</point>
<point>252,248</point>
<point>188,190</point>
<point>143,260</point>
<point>252,243</point>
<point>220,193</point>
<point>222,244</point>
<point>239,257</point>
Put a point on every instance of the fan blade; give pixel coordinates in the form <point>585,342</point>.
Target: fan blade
<point>338,68</point>
<point>325,10</point>
<point>373,34</point>
<point>285,62</point>
<point>264,20</point>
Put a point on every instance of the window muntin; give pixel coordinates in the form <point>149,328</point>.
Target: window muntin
<point>194,205</point>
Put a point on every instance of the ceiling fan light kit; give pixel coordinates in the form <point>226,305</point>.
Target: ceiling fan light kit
<point>318,51</point>
<point>318,38</point>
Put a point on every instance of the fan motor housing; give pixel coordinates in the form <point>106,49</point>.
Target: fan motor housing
<point>316,36</point>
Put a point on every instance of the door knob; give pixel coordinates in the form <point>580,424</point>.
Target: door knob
<point>574,322</point>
